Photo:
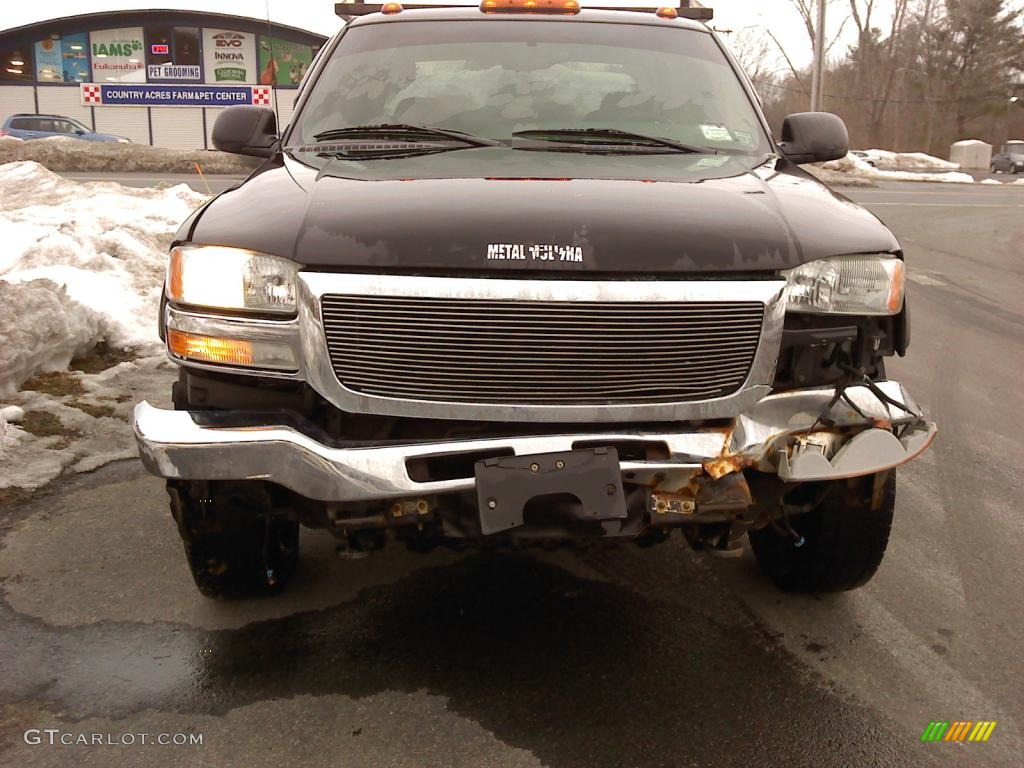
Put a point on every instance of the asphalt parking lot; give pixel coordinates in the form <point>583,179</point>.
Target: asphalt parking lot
<point>616,657</point>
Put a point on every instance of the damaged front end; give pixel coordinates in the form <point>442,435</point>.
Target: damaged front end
<point>715,479</point>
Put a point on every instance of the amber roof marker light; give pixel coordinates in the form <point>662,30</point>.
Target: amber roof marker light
<point>390,9</point>
<point>530,6</point>
<point>667,12</point>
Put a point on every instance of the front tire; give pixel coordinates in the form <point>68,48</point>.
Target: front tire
<point>234,544</point>
<point>845,538</point>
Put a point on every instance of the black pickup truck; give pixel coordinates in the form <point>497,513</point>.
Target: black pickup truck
<point>531,274</point>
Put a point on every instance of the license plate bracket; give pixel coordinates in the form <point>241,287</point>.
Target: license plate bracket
<point>506,484</point>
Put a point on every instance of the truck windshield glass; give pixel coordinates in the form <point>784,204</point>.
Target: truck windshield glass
<point>496,78</point>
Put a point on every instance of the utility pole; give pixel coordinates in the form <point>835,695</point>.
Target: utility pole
<point>1009,122</point>
<point>818,72</point>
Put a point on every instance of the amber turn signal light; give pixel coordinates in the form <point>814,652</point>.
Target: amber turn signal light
<point>530,6</point>
<point>175,278</point>
<point>209,349</point>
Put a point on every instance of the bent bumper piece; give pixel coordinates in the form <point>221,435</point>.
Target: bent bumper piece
<point>782,433</point>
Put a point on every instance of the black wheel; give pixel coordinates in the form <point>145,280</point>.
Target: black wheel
<point>234,545</point>
<point>844,538</point>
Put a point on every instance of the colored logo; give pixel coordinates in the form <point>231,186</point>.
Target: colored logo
<point>228,40</point>
<point>958,730</point>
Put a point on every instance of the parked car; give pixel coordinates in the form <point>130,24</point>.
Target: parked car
<point>25,126</point>
<point>864,156</point>
<point>507,279</point>
<point>1010,160</point>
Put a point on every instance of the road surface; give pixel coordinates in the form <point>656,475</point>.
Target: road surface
<point>621,657</point>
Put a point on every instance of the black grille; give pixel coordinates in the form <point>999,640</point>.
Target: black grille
<point>540,352</point>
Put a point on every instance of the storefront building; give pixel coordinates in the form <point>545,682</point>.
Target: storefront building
<point>155,77</point>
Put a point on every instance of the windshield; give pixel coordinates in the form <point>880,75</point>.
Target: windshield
<point>495,78</point>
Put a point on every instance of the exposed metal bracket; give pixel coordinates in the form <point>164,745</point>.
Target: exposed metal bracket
<point>872,450</point>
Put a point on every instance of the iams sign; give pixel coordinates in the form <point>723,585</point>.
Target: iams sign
<point>117,48</point>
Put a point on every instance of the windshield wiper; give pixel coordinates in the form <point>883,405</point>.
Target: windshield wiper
<point>611,136</point>
<point>407,132</point>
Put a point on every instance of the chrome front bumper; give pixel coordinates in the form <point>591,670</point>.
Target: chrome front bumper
<point>781,433</point>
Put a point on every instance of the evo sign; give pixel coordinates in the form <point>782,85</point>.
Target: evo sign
<point>229,57</point>
<point>155,95</point>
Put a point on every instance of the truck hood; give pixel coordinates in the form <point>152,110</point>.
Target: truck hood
<point>493,209</point>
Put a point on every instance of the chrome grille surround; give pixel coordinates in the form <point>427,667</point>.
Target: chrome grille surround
<point>725,392</point>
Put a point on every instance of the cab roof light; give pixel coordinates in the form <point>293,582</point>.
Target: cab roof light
<point>390,9</point>
<point>530,6</point>
<point>667,12</point>
<point>687,9</point>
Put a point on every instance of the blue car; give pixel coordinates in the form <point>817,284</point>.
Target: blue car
<point>25,126</point>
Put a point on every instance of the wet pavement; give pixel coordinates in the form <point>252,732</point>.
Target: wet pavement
<point>616,656</point>
<point>609,657</point>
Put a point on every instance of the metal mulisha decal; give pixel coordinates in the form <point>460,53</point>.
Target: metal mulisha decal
<point>520,252</point>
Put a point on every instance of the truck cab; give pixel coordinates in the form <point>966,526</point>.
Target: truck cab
<point>529,274</point>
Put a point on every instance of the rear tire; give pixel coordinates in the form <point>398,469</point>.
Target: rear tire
<point>844,538</point>
<point>231,549</point>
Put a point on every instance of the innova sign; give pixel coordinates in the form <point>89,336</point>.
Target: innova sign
<point>229,57</point>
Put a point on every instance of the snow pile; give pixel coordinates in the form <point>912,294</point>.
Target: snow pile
<point>77,421</point>
<point>852,165</point>
<point>42,330</point>
<point>61,153</point>
<point>82,265</point>
<point>81,262</point>
<point>909,161</point>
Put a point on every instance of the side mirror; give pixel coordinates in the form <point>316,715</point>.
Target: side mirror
<point>245,130</point>
<point>814,137</point>
<point>79,132</point>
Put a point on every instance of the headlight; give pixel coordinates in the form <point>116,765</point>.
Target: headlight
<point>847,285</point>
<point>231,278</point>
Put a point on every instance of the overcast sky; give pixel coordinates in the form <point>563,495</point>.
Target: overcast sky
<point>318,15</point>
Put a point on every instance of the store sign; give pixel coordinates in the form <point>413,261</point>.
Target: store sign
<point>229,57</point>
<point>117,55</point>
<point>63,59</point>
<point>174,72</point>
<point>96,95</point>
<point>283,62</point>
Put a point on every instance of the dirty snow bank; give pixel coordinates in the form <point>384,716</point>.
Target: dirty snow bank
<point>909,161</point>
<point>59,153</point>
<point>838,179</point>
<point>83,264</point>
<point>42,330</point>
<point>851,165</point>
